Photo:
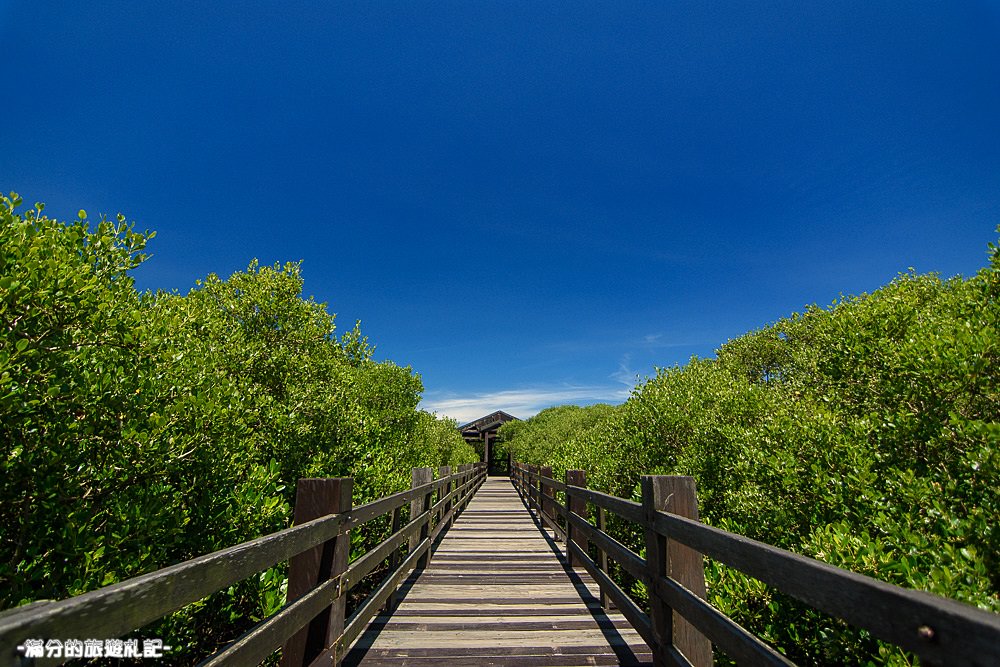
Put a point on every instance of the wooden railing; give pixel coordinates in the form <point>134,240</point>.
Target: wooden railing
<point>680,626</point>
<point>312,624</point>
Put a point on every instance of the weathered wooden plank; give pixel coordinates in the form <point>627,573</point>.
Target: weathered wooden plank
<point>492,556</point>
<point>502,623</point>
<point>514,656</point>
<point>501,651</point>
<point>479,638</point>
<point>528,660</point>
<point>416,597</point>
<point>527,569</point>
<point>489,593</point>
<point>510,537</point>
<point>512,614</point>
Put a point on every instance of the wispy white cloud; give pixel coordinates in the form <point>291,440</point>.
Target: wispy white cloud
<point>625,374</point>
<point>651,341</point>
<point>520,402</point>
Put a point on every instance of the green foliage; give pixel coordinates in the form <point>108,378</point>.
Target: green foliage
<point>440,435</point>
<point>865,434</point>
<point>141,430</point>
<point>542,439</point>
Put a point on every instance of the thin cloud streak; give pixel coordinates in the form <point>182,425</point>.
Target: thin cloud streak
<point>625,374</point>
<point>654,341</point>
<point>520,402</point>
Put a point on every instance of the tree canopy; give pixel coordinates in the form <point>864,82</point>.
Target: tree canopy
<point>139,430</point>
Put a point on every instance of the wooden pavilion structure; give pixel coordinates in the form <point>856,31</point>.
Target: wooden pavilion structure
<point>482,432</point>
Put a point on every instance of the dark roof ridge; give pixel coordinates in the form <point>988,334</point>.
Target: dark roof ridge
<point>489,418</point>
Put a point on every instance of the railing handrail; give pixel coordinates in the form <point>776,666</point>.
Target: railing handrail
<point>117,609</point>
<point>938,629</point>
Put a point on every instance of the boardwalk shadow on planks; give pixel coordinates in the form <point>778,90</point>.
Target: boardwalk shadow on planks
<point>498,592</point>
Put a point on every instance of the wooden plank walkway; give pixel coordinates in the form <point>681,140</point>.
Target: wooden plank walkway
<point>498,592</point>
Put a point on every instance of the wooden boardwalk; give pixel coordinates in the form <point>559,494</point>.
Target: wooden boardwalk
<point>498,592</point>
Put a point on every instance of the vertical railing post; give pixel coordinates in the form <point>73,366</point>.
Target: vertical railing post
<point>445,471</point>
<point>533,486</point>
<point>603,561</point>
<point>547,492</point>
<point>530,484</point>
<point>468,471</point>
<point>315,498</point>
<point>575,505</point>
<point>540,492</point>
<point>394,559</point>
<point>667,558</point>
<point>418,506</point>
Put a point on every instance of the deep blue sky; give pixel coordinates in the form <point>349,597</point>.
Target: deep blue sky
<point>530,203</point>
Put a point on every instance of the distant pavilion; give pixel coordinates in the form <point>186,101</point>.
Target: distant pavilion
<point>482,432</point>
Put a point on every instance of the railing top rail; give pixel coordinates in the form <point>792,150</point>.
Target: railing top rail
<point>376,508</point>
<point>626,509</point>
<point>119,608</point>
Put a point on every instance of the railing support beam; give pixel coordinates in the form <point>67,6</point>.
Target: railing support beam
<point>418,506</point>
<point>445,471</point>
<point>547,492</point>
<point>315,498</point>
<point>577,506</point>
<point>667,558</point>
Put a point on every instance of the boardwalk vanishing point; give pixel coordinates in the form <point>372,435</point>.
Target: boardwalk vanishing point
<point>498,591</point>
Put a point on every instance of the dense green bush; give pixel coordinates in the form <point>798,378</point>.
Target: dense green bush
<point>539,440</point>
<point>865,434</point>
<point>140,430</point>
